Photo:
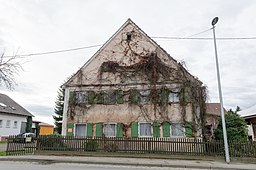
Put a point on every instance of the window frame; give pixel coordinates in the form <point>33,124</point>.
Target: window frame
<point>151,129</point>
<point>8,123</point>
<point>173,97</point>
<point>85,129</point>
<point>110,123</point>
<point>144,98</point>
<point>183,129</point>
<point>15,124</point>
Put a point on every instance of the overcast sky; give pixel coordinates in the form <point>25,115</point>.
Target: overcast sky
<point>31,26</point>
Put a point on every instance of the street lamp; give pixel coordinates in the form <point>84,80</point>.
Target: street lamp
<point>214,21</point>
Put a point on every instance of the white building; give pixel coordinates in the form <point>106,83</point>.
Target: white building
<point>13,117</point>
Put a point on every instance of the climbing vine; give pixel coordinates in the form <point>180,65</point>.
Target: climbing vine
<point>152,69</point>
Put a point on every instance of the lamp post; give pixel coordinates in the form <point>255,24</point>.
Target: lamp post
<point>214,21</point>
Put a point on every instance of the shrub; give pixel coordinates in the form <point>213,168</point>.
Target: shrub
<point>50,142</point>
<point>91,145</point>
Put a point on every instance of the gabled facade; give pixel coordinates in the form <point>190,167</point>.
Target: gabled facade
<point>131,87</point>
<point>13,117</point>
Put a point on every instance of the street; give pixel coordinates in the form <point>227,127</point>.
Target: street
<point>6,165</point>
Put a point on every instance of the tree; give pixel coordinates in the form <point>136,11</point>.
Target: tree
<point>59,105</point>
<point>9,67</point>
<point>235,125</point>
<point>29,124</point>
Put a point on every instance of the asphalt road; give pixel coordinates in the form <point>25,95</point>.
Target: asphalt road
<point>5,165</point>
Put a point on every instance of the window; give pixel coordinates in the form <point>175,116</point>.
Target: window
<point>177,130</point>
<point>109,130</point>
<point>109,97</point>
<point>80,130</point>
<point>145,96</point>
<point>8,123</point>
<point>173,97</point>
<point>145,129</point>
<point>82,97</point>
<point>1,123</point>
<point>15,124</point>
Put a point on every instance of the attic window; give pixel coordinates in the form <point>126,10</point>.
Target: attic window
<point>2,104</point>
<point>129,37</point>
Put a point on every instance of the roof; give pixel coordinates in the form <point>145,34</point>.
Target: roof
<point>214,109</point>
<point>45,124</point>
<point>249,112</point>
<point>129,21</point>
<point>9,106</point>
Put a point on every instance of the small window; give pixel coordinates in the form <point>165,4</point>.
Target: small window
<point>145,96</point>
<point>129,37</point>
<point>1,123</point>
<point>109,97</point>
<point>174,97</point>
<point>15,124</point>
<point>177,130</point>
<point>80,130</point>
<point>145,130</point>
<point>8,123</point>
<point>109,130</point>
<point>82,97</point>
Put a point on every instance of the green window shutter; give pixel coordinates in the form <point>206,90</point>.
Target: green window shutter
<point>156,129</point>
<point>187,94</point>
<point>99,129</point>
<point>134,129</point>
<point>99,97</point>
<point>70,129</point>
<point>119,97</point>
<point>164,95</point>
<point>188,129</point>
<point>166,129</point>
<point>89,130</point>
<point>119,130</point>
<point>134,96</point>
<point>91,96</point>
<point>72,98</point>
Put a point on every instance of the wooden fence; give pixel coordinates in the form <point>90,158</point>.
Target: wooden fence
<point>171,146</point>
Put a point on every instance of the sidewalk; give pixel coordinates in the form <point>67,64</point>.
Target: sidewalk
<point>197,164</point>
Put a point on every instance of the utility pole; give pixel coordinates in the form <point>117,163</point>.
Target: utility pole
<point>214,21</point>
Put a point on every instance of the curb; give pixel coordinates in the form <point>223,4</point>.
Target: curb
<point>55,161</point>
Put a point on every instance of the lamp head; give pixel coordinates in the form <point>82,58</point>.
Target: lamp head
<point>214,21</point>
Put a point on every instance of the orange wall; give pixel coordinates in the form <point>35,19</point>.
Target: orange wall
<point>46,130</point>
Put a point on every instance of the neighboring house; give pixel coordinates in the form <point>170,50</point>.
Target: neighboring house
<point>213,114</point>
<point>249,116</point>
<point>13,117</point>
<point>41,128</point>
<point>46,129</point>
<point>132,87</point>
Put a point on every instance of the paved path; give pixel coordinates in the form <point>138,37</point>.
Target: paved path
<point>196,164</point>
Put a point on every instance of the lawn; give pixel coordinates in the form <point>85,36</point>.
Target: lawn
<point>2,153</point>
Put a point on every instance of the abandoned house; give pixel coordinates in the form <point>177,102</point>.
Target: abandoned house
<point>132,87</point>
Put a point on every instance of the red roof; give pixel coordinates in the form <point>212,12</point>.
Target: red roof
<point>213,109</point>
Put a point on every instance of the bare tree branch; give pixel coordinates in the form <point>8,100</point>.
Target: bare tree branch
<point>9,68</point>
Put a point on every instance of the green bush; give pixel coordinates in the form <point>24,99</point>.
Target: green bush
<point>91,145</point>
<point>110,147</point>
<point>50,142</point>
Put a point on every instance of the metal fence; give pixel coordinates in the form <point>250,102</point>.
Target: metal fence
<point>171,146</point>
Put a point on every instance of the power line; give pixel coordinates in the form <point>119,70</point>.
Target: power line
<point>206,38</point>
<point>57,51</point>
